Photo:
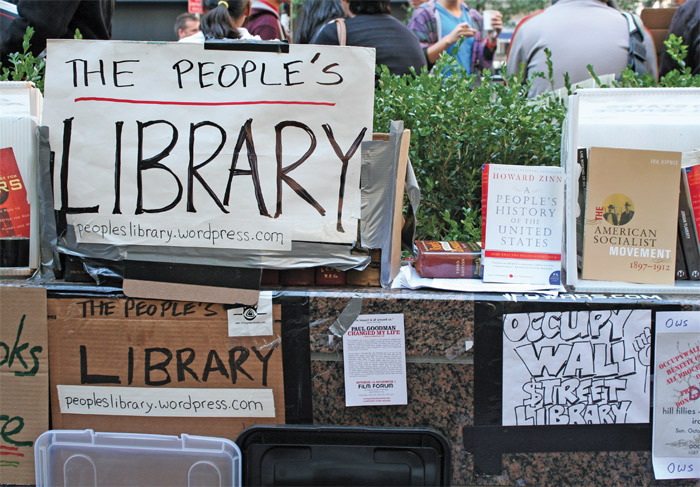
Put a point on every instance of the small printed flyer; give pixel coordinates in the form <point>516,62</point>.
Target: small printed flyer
<point>676,428</point>
<point>374,356</point>
<point>253,320</point>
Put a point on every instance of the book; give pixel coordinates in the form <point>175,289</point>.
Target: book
<point>523,217</point>
<point>631,222</point>
<point>20,113</point>
<point>681,267</point>
<point>15,213</point>
<point>690,177</point>
<point>687,230</point>
<point>450,260</point>
<point>582,161</point>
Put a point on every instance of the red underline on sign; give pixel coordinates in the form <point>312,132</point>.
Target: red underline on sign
<point>3,447</point>
<point>11,453</point>
<point>204,104</point>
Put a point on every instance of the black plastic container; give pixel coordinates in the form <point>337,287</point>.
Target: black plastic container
<point>343,456</point>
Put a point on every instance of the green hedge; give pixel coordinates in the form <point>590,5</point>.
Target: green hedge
<point>458,124</point>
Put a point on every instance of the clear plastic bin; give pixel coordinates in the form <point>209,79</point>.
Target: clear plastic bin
<point>86,458</point>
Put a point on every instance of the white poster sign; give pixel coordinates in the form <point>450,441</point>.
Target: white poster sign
<point>167,402</point>
<point>576,367</point>
<point>676,429</point>
<point>374,358</point>
<point>169,144</point>
<point>251,320</point>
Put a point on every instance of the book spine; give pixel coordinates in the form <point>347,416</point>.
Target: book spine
<point>484,199</point>
<point>582,156</point>
<point>327,276</point>
<point>681,267</point>
<point>687,231</point>
<point>692,175</point>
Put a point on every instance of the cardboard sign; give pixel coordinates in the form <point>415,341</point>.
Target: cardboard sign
<point>163,367</point>
<point>24,380</point>
<point>172,145</point>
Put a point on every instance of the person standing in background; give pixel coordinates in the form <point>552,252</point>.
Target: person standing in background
<point>223,20</point>
<point>577,33</point>
<point>440,24</point>
<point>314,15</point>
<point>56,19</point>
<point>371,25</point>
<point>685,24</point>
<point>186,24</point>
<point>264,20</point>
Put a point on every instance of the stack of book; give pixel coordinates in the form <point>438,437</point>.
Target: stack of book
<point>448,259</point>
<point>522,210</point>
<point>634,225</point>
<point>689,217</point>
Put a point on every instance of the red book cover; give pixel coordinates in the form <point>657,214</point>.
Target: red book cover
<point>484,198</point>
<point>14,207</point>
<point>451,260</point>
<point>693,176</point>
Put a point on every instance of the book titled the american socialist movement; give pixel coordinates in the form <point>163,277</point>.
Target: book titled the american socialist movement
<point>631,216</point>
<point>522,228</point>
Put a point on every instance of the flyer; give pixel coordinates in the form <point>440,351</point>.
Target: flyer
<point>576,367</point>
<point>676,424</point>
<point>255,320</point>
<point>374,357</point>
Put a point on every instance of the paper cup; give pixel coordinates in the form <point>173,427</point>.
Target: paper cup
<point>488,19</point>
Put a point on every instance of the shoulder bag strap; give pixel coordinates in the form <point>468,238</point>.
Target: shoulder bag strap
<point>637,52</point>
<point>342,31</point>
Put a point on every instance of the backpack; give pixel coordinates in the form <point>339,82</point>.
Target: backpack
<point>637,54</point>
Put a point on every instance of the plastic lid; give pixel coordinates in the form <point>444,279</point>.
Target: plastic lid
<point>86,458</point>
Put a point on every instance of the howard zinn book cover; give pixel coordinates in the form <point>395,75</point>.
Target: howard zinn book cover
<point>631,215</point>
<point>524,217</point>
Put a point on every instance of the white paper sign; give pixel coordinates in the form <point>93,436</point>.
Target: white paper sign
<point>576,367</point>
<point>255,320</point>
<point>676,429</point>
<point>169,144</point>
<point>167,402</point>
<point>374,359</point>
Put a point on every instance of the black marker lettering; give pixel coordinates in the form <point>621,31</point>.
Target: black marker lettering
<point>282,171</point>
<point>193,171</point>
<point>153,163</point>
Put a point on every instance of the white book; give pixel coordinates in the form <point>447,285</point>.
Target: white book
<point>523,208</point>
